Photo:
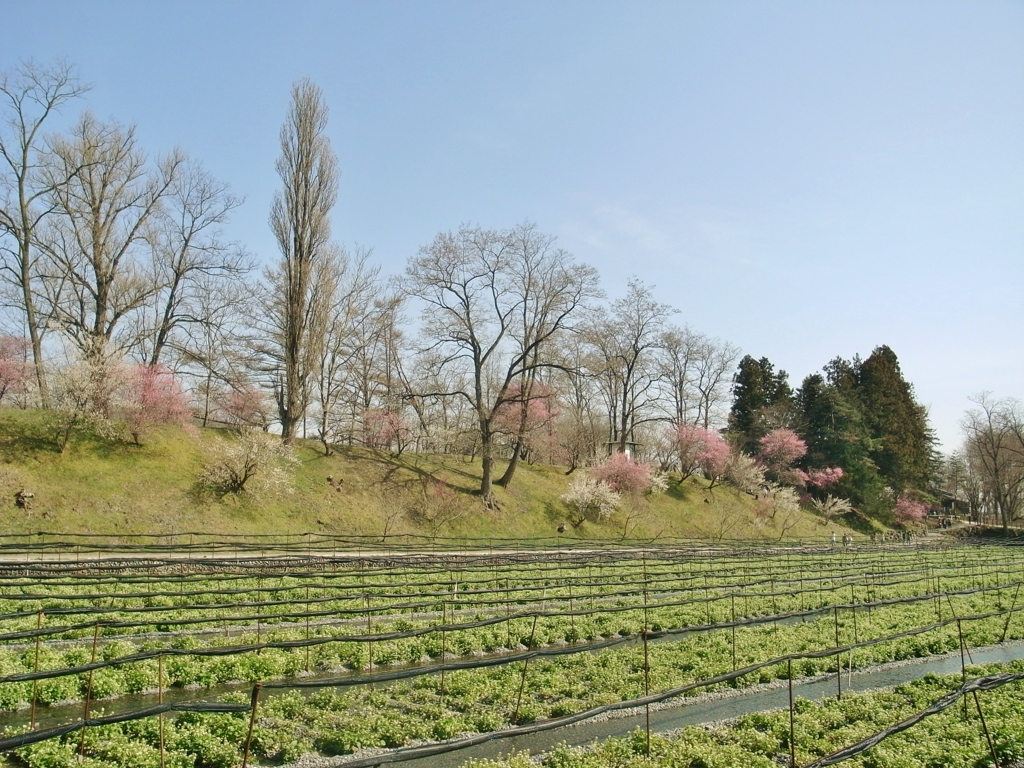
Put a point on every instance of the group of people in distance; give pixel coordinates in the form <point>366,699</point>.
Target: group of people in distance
<point>847,539</point>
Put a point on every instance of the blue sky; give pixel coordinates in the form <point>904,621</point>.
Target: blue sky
<point>803,179</point>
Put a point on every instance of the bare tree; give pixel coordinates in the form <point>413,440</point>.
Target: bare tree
<point>549,286</point>
<point>96,243</point>
<point>300,220</point>
<point>188,256</point>
<point>212,347</point>
<point>694,370</point>
<point>446,422</point>
<point>625,343</point>
<point>578,429</point>
<point>490,309</point>
<point>344,327</point>
<point>995,448</point>
<point>31,94</point>
<point>677,363</point>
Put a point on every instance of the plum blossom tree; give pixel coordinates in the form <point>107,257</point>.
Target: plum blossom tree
<point>589,499</point>
<point>714,458</point>
<point>622,474</point>
<point>243,404</point>
<point>15,369</point>
<point>778,505</point>
<point>822,478</point>
<point>154,396</point>
<point>702,449</point>
<point>831,507</point>
<point>909,510</point>
<point>689,443</point>
<point>83,399</point>
<point>254,463</point>
<point>780,448</point>
<point>384,429</point>
<point>744,473</point>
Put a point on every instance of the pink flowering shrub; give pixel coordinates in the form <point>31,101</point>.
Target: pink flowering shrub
<point>385,429</point>
<point>154,397</point>
<point>780,448</point>
<point>908,510</point>
<point>822,478</point>
<point>15,370</point>
<point>622,474</point>
<point>702,449</point>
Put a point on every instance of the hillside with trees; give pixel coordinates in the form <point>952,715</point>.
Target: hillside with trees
<point>127,314</point>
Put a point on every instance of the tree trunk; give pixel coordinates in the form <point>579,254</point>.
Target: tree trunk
<point>510,470</point>
<point>37,354</point>
<point>487,462</point>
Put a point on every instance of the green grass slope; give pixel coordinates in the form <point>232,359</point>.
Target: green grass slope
<point>114,487</point>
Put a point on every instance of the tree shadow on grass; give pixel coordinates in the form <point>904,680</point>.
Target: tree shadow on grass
<point>685,490</point>
<point>393,463</point>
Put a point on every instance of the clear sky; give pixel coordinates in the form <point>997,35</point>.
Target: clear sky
<point>803,179</point>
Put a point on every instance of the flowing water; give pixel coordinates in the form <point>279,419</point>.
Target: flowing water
<point>713,709</point>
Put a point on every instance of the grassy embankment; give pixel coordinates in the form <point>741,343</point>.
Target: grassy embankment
<point>112,486</point>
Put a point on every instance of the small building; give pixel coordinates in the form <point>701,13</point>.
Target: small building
<point>632,450</point>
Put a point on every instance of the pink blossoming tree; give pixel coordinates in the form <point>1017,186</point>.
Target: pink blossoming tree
<point>385,430</point>
<point>701,449</point>
<point>623,475</point>
<point>154,397</point>
<point>242,405</point>
<point>15,369</point>
<point>780,449</point>
<point>822,478</point>
<point>910,511</point>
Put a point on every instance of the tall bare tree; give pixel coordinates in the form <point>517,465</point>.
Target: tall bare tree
<point>549,284</point>
<point>625,343</point>
<point>489,311</point>
<point>343,326</point>
<point>188,255</point>
<point>694,372</point>
<point>31,94</point>
<point>211,348</point>
<point>995,448</point>
<point>96,244</point>
<point>579,428</point>
<point>300,220</point>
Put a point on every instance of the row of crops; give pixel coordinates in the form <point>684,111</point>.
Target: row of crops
<point>157,660</point>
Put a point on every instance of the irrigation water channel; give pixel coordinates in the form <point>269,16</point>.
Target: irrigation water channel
<point>710,709</point>
<point>679,714</point>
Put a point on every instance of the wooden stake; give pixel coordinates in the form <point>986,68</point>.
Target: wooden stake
<point>35,683</point>
<point>254,702</point>
<point>88,689</point>
<point>792,728</point>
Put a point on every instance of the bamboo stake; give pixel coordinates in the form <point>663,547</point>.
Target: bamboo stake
<point>792,728</point>
<point>254,702</point>
<point>522,680</point>
<point>35,668</point>
<point>88,690</point>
